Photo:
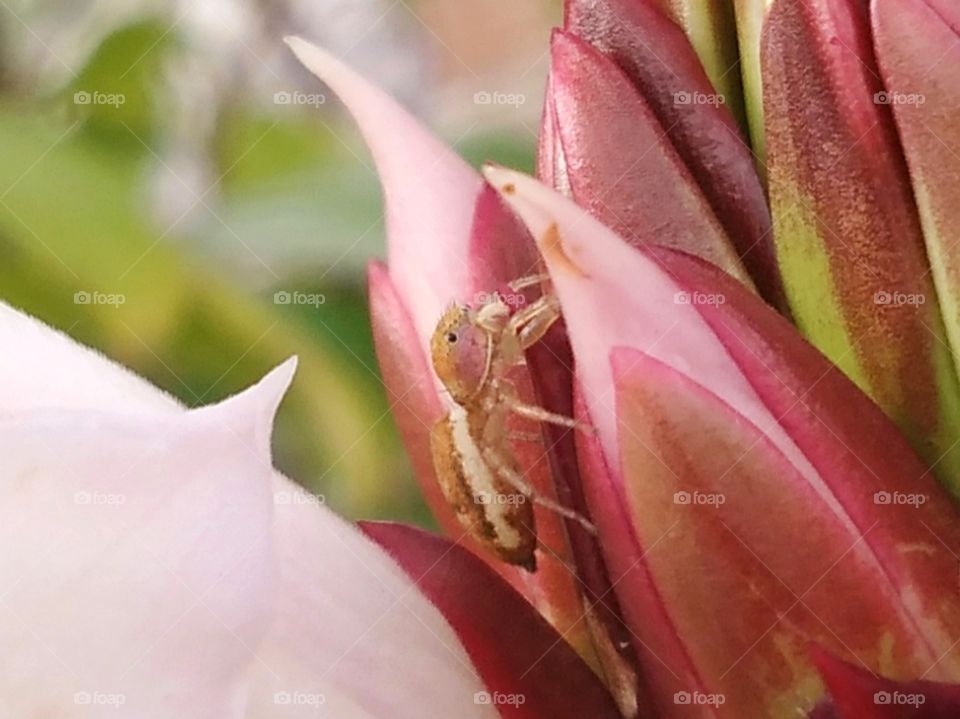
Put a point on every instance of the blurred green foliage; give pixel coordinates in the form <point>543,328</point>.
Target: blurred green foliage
<point>128,65</point>
<point>75,217</point>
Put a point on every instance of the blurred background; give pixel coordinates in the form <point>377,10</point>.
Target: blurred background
<point>177,193</point>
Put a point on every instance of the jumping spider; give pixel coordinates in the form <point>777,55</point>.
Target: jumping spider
<point>473,350</point>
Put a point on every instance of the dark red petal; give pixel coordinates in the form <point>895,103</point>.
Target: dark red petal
<point>500,250</point>
<point>711,27</point>
<point>654,52</point>
<point>854,448</point>
<point>515,650</point>
<point>620,163</point>
<point>824,710</point>
<point>859,694</point>
<point>918,49</point>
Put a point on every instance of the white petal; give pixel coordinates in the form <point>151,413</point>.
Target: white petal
<point>90,591</point>
<point>138,558</point>
<point>352,629</point>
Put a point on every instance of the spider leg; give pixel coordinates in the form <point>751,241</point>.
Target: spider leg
<point>515,480</point>
<point>530,324</point>
<point>534,437</point>
<point>528,281</point>
<point>539,414</point>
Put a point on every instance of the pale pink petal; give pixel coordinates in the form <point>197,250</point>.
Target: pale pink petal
<point>138,557</point>
<point>429,191</point>
<point>351,627</point>
<point>294,585</point>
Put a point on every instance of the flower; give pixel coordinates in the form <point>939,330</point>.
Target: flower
<point>759,334</point>
<point>156,565</point>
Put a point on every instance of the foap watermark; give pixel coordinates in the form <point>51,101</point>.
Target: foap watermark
<point>285,496</point>
<point>698,98</point>
<point>499,699</point>
<point>699,298</point>
<point>286,97</point>
<point>896,698</point>
<point>99,499</point>
<point>513,300</point>
<point>886,298</point>
<point>299,699</point>
<point>900,499</point>
<point>111,299</point>
<point>312,299</point>
<point>111,99</point>
<point>487,97</point>
<point>499,498</point>
<point>99,699</point>
<point>887,97</point>
<point>699,699</point>
<point>708,499</point>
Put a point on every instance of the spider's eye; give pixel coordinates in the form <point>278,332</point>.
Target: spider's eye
<point>452,337</point>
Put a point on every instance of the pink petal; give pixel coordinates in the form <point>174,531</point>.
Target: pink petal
<point>663,318</point>
<point>450,238</point>
<point>745,583</point>
<point>410,385</point>
<point>429,192</point>
<point>416,407</point>
<point>787,423</point>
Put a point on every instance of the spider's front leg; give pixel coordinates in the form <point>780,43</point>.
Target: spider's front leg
<point>528,281</point>
<point>532,323</point>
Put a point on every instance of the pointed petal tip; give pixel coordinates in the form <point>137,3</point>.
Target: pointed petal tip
<point>306,52</point>
<point>543,211</point>
<point>564,48</point>
<point>563,40</point>
<point>277,381</point>
<point>428,220</point>
<point>491,167</point>
<point>377,273</point>
<point>263,398</point>
<point>520,192</point>
<point>250,413</point>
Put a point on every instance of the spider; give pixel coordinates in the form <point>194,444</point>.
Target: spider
<point>473,350</point>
